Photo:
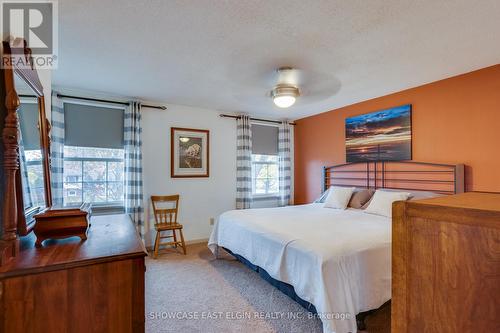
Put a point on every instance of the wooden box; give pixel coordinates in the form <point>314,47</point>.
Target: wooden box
<point>62,223</point>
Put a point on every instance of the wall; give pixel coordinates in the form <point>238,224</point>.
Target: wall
<point>201,198</point>
<point>456,120</point>
<point>45,76</point>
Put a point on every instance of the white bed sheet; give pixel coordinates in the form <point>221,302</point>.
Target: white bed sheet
<point>338,260</point>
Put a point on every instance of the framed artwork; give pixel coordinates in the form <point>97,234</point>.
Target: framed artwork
<point>379,136</point>
<point>189,153</point>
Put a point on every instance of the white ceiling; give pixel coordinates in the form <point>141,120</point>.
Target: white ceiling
<point>221,54</point>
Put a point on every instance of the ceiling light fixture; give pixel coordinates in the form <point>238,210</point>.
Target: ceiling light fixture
<point>285,95</point>
<point>183,139</point>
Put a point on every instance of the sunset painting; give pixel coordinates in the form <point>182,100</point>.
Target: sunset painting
<point>379,136</point>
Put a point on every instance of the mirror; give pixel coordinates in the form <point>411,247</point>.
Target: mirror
<point>16,218</point>
<point>30,150</point>
<point>31,176</point>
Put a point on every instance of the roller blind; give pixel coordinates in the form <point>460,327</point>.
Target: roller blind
<point>28,122</point>
<point>264,139</point>
<point>93,126</point>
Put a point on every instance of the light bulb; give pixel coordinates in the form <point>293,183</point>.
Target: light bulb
<point>284,101</point>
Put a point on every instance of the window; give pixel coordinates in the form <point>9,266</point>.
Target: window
<point>93,155</point>
<point>93,175</point>
<point>264,160</point>
<point>265,175</point>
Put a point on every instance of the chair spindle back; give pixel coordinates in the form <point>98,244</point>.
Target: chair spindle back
<point>165,208</point>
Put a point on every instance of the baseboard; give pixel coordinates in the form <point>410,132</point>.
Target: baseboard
<point>189,242</point>
<point>197,241</point>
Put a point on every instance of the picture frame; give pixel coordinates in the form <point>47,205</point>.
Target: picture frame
<point>189,153</point>
<point>384,135</point>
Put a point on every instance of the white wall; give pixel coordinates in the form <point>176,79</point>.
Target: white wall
<point>201,198</point>
<point>45,76</point>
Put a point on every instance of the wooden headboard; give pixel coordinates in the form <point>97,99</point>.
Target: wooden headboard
<point>403,175</point>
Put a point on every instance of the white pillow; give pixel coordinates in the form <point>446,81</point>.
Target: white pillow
<point>381,202</point>
<point>322,197</point>
<point>338,197</point>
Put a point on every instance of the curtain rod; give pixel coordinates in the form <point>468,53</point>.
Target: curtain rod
<point>256,119</point>
<point>161,107</point>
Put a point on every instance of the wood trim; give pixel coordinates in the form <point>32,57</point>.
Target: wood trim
<point>172,134</point>
<point>468,216</point>
<point>11,164</point>
<point>399,267</point>
<point>30,76</point>
<point>29,271</point>
<point>44,124</point>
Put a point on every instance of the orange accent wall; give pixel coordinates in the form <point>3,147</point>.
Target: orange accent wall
<point>456,120</point>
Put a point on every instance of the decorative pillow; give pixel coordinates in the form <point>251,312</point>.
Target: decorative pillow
<point>414,195</point>
<point>360,197</point>
<point>418,195</point>
<point>338,197</point>
<point>381,202</point>
<point>323,196</point>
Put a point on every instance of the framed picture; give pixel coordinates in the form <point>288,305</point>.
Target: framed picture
<point>379,136</point>
<point>189,153</point>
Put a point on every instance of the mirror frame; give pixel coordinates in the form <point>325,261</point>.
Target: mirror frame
<point>24,219</point>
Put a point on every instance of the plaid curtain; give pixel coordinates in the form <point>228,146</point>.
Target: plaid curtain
<point>28,200</point>
<point>57,150</point>
<point>244,163</point>
<point>284,160</point>
<point>134,203</point>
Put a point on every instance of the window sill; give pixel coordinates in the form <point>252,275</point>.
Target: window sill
<point>107,210</point>
<point>265,197</point>
<point>104,210</point>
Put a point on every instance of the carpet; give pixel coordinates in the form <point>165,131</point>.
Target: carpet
<point>197,293</point>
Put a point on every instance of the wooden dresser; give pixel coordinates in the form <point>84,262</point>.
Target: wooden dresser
<point>446,264</point>
<point>73,286</point>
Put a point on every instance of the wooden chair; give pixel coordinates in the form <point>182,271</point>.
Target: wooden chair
<point>166,220</point>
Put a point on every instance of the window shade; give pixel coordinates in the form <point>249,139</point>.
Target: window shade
<point>93,126</point>
<point>28,122</point>
<point>264,139</point>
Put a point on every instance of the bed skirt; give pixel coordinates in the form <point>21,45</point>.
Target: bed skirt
<point>288,290</point>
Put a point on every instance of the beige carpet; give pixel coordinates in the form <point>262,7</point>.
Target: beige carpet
<point>196,293</point>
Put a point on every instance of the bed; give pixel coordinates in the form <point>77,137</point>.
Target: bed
<point>339,261</point>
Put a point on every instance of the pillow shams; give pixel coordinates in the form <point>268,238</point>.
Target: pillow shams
<point>381,202</point>
<point>322,197</point>
<point>360,197</point>
<point>338,197</point>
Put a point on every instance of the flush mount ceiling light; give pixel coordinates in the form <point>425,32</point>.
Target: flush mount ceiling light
<point>285,93</point>
<point>288,87</point>
<point>183,139</point>
<point>284,96</point>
